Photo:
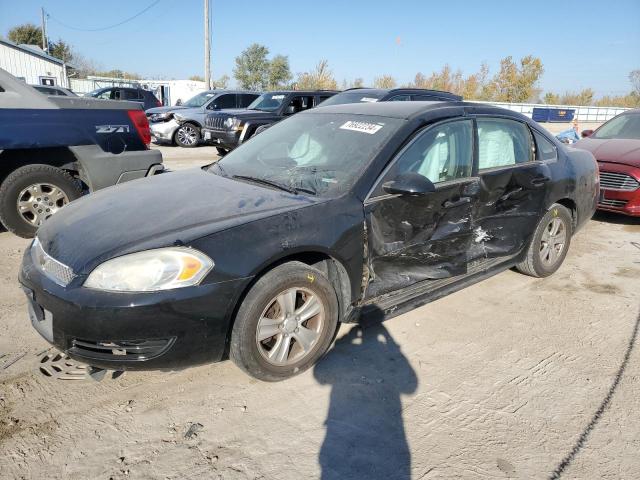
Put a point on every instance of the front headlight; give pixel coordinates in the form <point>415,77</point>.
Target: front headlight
<point>161,117</point>
<point>151,270</point>
<point>232,123</point>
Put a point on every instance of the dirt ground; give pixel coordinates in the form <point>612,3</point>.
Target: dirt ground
<point>513,377</point>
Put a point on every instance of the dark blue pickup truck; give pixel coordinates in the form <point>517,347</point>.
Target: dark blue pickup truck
<point>54,149</point>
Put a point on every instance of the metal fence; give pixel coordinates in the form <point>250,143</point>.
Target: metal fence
<point>583,113</point>
<point>82,85</point>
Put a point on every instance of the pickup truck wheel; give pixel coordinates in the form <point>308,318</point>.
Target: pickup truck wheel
<point>187,135</point>
<point>549,244</point>
<point>31,194</point>
<point>285,323</point>
<point>222,151</point>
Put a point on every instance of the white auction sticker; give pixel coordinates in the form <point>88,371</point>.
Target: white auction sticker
<point>277,97</point>
<point>368,99</point>
<point>363,127</point>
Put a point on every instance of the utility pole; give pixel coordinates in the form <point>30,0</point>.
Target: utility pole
<point>45,42</point>
<point>207,47</point>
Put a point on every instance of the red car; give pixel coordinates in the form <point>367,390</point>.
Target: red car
<point>616,146</point>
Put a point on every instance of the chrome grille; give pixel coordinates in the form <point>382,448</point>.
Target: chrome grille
<point>606,202</point>
<point>618,181</point>
<point>216,122</point>
<point>56,271</point>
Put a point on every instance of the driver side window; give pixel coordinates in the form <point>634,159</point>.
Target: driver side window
<point>441,153</point>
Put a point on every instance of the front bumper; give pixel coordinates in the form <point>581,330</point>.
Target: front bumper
<point>126,331</point>
<point>162,132</point>
<point>228,139</point>
<point>626,202</point>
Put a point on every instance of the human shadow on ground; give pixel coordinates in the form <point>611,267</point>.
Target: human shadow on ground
<point>365,435</point>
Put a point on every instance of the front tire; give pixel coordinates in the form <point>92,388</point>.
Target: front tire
<point>31,194</point>
<point>187,135</point>
<point>285,323</point>
<point>222,151</point>
<point>550,243</point>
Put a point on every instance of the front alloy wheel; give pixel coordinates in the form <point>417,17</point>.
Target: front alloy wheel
<point>285,323</point>
<point>188,135</point>
<point>290,326</point>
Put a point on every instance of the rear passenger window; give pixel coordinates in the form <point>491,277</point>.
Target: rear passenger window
<point>225,101</point>
<point>130,95</point>
<point>545,150</point>
<point>502,143</point>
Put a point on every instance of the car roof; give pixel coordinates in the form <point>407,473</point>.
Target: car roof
<point>303,92</point>
<point>407,110</point>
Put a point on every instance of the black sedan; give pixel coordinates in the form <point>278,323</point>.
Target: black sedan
<point>335,213</point>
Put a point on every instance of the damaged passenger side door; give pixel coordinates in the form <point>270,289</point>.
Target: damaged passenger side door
<point>419,236</point>
<point>513,186</point>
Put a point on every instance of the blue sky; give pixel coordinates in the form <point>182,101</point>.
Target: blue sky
<point>581,43</point>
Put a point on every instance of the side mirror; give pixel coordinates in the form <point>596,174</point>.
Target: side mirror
<point>587,133</point>
<point>290,110</point>
<point>412,184</point>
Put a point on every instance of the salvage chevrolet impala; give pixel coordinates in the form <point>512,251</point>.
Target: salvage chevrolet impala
<point>348,210</point>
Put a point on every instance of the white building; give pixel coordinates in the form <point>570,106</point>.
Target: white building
<point>31,64</point>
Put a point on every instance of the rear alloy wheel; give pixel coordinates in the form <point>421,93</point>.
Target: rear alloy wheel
<point>285,323</point>
<point>550,243</point>
<point>31,194</point>
<point>188,135</point>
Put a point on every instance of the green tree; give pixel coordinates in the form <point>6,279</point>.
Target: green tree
<point>357,83</point>
<point>26,34</point>
<point>321,78</point>
<point>384,81</point>
<point>279,72</point>
<point>252,67</point>
<point>634,78</point>
<point>196,78</point>
<point>61,50</point>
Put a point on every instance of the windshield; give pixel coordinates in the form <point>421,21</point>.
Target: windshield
<point>319,153</point>
<point>199,100</point>
<point>269,102</point>
<point>99,93</point>
<point>352,97</point>
<point>622,126</point>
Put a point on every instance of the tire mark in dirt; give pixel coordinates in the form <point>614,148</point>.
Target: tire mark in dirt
<point>604,405</point>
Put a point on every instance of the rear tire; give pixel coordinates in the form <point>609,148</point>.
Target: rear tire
<point>285,324</point>
<point>222,151</point>
<point>187,135</point>
<point>33,193</point>
<point>549,244</point>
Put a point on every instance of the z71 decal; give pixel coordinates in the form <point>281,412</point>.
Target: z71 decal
<point>112,128</point>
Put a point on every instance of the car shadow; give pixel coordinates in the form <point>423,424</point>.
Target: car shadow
<point>365,435</point>
<point>615,218</point>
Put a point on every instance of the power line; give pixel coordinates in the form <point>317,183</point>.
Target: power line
<point>153,4</point>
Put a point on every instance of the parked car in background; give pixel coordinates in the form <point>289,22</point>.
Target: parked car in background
<point>144,97</point>
<point>54,149</point>
<point>52,90</point>
<point>181,124</point>
<point>371,95</point>
<point>229,129</point>
<point>343,210</point>
<point>616,146</point>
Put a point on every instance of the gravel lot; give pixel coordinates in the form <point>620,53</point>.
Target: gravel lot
<point>513,377</point>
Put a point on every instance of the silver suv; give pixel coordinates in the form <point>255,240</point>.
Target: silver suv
<point>181,124</point>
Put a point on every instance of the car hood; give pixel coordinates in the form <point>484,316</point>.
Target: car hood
<point>615,150</point>
<point>164,109</point>
<point>167,209</point>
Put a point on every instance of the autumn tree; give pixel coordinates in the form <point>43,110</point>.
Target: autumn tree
<point>320,78</point>
<point>516,83</point>
<point>384,81</point>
